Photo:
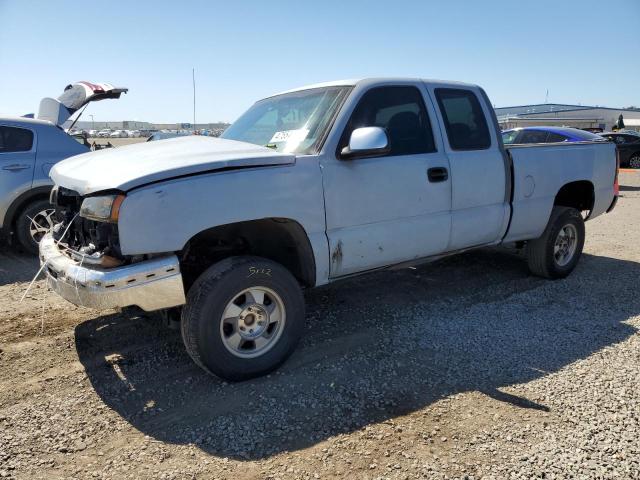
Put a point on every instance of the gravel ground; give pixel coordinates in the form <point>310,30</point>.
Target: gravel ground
<point>464,368</point>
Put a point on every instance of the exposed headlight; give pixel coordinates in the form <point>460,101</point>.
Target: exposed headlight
<point>102,209</point>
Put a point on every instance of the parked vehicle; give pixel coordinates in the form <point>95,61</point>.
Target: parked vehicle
<point>106,133</point>
<point>163,135</point>
<point>547,135</point>
<point>118,134</point>
<point>308,187</point>
<point>93,133</point>
<point>28,150</point>
<point>628,145</point>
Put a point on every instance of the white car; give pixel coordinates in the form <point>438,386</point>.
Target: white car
<point>104,133</point>
<point>134,133</point>
<point>118,134</point>
<point>93,133</point>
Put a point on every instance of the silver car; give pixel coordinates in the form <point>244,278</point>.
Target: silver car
<point>28,149</point>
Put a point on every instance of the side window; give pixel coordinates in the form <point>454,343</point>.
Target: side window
<point>464,119</point>
<point>534,136</point>
<point>556,137</point>
<point>15,139</point>
<point>401,112</point>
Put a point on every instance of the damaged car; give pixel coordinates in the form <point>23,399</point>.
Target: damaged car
<point>29,148</point>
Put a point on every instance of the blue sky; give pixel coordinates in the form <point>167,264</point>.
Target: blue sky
<point>583,51</point>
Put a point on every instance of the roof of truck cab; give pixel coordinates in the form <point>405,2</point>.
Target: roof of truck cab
<point>373,81</point>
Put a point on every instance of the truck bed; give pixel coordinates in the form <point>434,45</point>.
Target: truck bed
<point>540,170</point>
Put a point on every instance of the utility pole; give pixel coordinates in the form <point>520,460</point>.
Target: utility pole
<point>193,77</point>
<point>93,124</point>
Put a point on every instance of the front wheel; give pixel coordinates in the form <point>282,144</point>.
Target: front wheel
<point>33,222</point>
<point>556,253</point>
<point>243,317</point>
<point>634,162</point>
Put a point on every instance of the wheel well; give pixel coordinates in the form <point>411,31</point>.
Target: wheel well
<point>578,195</point>
<point>34,195</point>
<point>279,239</point>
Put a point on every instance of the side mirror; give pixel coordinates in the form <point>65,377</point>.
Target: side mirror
<point>366,141</point>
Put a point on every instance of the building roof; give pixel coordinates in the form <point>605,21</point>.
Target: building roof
<point>536,109</point>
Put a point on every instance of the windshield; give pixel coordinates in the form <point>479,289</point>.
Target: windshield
<point>509,136</point>
<point>292,123</point>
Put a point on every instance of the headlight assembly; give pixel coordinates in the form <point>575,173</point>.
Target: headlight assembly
<point>102,209</point>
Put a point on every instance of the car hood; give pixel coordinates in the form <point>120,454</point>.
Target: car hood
<point>75,96</point>
<point>131,166</point>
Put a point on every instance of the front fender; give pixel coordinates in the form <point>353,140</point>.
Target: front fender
<point>162,217</point>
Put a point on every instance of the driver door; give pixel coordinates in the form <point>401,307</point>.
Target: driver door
<point>386,209</point>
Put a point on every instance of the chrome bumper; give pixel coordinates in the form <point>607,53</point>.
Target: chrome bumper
<point>152,284</point>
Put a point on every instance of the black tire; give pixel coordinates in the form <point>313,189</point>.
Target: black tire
<point>23,224</point>
<point>634,161</point>
<point>211,294</point>
<point>540,252</point>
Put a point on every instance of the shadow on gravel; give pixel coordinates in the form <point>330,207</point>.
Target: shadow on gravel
<point>16,267</point>
<point>628,188</point>
<point>376,347</point>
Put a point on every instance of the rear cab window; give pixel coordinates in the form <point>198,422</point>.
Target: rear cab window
<point>14,139</point>
<point>464,119</point>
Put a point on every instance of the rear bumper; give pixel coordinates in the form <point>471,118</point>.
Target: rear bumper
<point>151,285</point>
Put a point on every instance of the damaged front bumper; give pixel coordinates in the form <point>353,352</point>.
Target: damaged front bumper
<point>151,284</point>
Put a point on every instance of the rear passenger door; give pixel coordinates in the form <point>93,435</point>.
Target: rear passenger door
<point>479,201</point>
<point>394,207</point>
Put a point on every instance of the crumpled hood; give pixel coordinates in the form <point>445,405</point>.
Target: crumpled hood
<point>127,167</point>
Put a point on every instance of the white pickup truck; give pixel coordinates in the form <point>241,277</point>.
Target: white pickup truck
<point>308,187</point>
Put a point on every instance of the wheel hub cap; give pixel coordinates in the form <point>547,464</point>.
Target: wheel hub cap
<point>252,322</point>
<point>40,224</point>
<point>565,245</point>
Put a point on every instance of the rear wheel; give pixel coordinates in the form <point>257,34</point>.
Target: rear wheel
<point>556,253</point>
<point>32,223</point>
<point>243,317</point>
<point>634,161</point>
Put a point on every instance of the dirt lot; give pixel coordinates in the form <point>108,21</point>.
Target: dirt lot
<point>465,368</point>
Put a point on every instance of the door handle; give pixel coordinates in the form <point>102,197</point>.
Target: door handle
<point>16,167</point>
<point>437,174</point>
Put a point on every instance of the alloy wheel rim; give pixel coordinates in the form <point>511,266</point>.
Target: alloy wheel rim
<point>40,224</point>
<point>565,245</point>
<point>634,162</point>
<point>252,322</point>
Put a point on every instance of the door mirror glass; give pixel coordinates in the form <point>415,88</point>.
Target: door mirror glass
<point>366,141</point>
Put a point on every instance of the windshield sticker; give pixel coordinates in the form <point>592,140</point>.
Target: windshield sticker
<point>290,136</point>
